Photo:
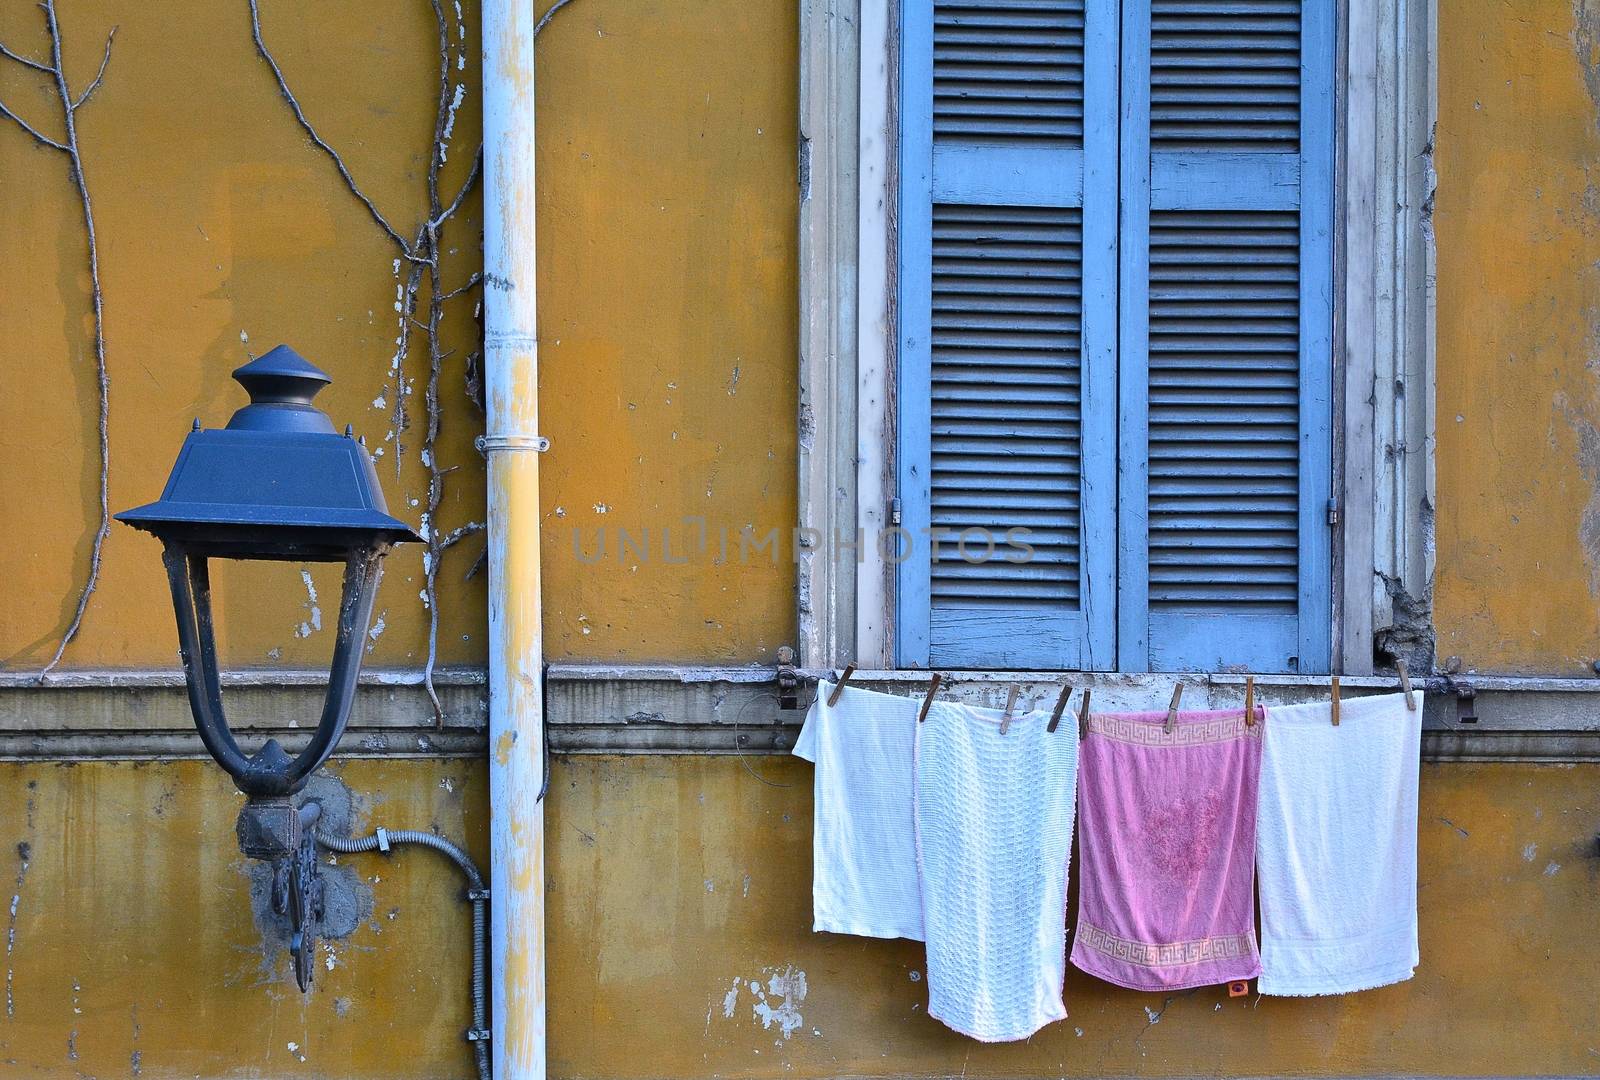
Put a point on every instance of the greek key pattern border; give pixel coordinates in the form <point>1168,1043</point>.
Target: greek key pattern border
<point>1171,954</point>
<point>1151,732</point>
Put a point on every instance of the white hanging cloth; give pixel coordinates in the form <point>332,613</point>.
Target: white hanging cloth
<point>864,859</point>
<point>994,834</point>
<point>1336,846</point>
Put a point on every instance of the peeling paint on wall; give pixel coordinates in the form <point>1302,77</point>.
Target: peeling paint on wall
<point>779,1002</point>
<point>1409,634</point>
<point>313,621</point>
<point>23,854</point>
<point>776,997</point>
<point>24,850</point>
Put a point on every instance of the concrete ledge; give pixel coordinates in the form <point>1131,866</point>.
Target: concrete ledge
<point>628,709</point>
<point>161,746</point>
<point>156,701</point>
<point>663,709</point>
<point>145,714</point>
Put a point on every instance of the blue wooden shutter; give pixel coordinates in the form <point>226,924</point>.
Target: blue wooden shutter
<point>1226,343</point>
<point>1007,320</point>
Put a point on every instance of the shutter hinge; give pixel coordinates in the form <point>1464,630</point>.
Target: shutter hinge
<point>1333,511</point>
<point>894,511</point>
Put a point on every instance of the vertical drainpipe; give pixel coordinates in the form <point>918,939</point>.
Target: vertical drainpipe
<point>511,443</point>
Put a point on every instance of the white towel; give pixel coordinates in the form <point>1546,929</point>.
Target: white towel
<point>994,833</point>
<point>864,856</point>
<point>1336,846</point>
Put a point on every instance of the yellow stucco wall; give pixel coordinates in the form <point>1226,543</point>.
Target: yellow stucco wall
<point>678,889</point>
<point>1518,405</point>
<point>667,216</point>
<point>217,222</point>
<point>131,948</point>
<point>667,311</point>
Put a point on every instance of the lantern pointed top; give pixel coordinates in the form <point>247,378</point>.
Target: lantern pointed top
<point>281,375</point>
<point>281,385</point>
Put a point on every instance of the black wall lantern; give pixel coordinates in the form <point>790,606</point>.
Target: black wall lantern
<point>278,483</point>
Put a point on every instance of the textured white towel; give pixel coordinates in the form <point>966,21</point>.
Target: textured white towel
<point>1336,846</point>
<point>864,856</point>
<point>994,833</point>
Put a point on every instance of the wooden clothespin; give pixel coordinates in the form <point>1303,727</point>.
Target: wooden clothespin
<point>1405,685</point>
<point>838,687</point>
<point>1172,709</point>
<point>933,688</point>
<point>1249,701</point>
<point>1334,686</point>
<point>1011,703</point>
<point>1061,707</point>
<point>1083,716</point>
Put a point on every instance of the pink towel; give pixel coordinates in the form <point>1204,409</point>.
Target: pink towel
<point>1166,849</point>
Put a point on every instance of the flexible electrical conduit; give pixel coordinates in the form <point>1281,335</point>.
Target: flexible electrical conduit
<point>381,840</point>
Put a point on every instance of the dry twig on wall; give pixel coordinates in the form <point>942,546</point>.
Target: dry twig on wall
<point>68,145</point>
<point>422,257</point>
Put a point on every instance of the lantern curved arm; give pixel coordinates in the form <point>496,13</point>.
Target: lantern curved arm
<point>190,580</point>
<point>269,772</point>
<point>362,569</point>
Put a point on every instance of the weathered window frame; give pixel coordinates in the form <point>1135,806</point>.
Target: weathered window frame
<point>1383,316</point>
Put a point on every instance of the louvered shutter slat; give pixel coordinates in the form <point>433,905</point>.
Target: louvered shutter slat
<point>1008,72</point>
<point>1003,244</point>
<point>976,443</point>
<point>1248,57</point>
<point>1226,362</point>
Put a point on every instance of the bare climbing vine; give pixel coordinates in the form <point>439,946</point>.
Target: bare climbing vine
<point>421,258</point>
<point>55,70</point>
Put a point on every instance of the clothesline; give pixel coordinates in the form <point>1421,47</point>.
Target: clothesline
<point>935,679</point>
<point>1000,677</point>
